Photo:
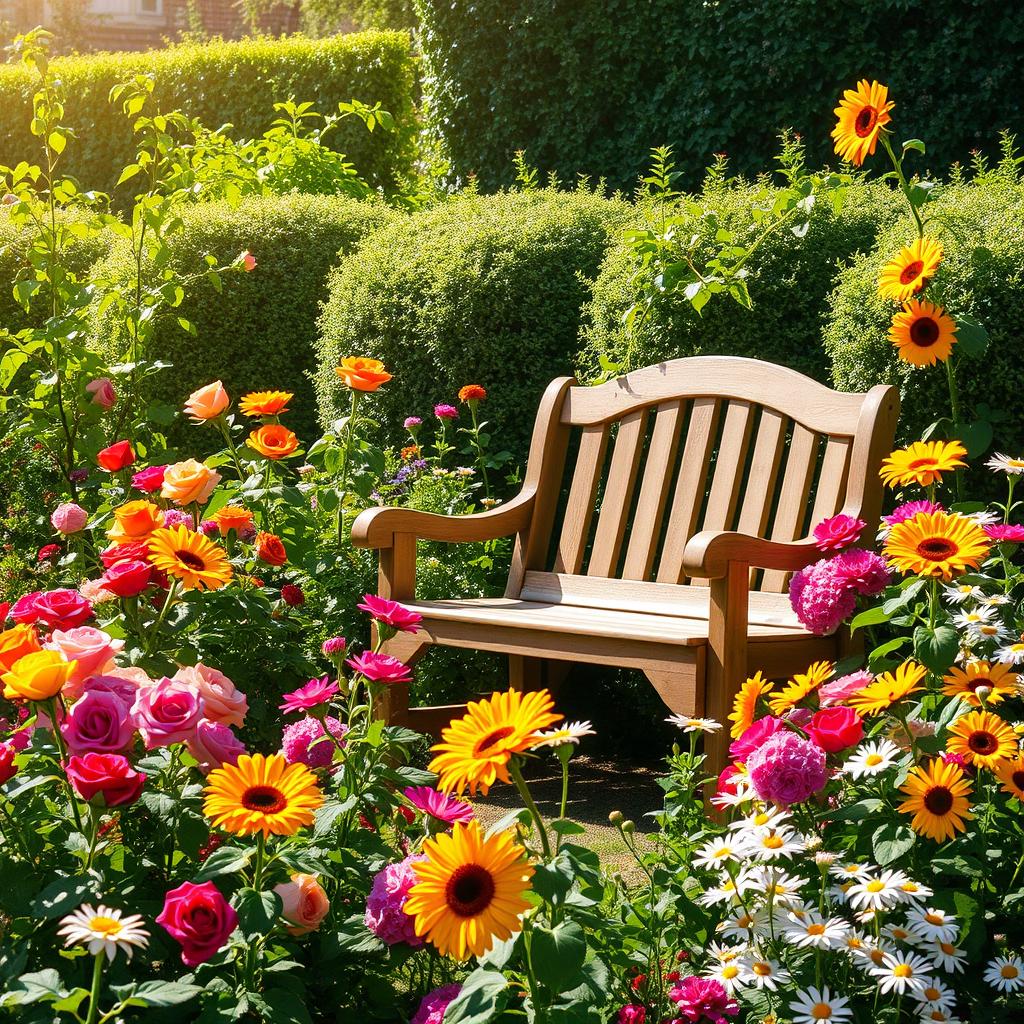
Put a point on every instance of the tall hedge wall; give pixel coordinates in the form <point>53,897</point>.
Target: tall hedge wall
<point>591,85</point>
<point>481,289</point>
<point>226,82</point>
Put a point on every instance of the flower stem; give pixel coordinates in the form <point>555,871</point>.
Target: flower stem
<point>345,459</point>
<point>524,792</point>
<point>94,991</point>
<point>51,707</point>
<point>222,423</point>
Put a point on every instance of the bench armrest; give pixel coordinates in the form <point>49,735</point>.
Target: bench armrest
<point>708,553</point>
<point>377,527</point>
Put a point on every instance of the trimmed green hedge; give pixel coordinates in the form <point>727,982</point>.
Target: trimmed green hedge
<point>258,333</point>
<point>590,85</point>
<point>481,289</point>
<point>226,82</point>
<point>791,279</point>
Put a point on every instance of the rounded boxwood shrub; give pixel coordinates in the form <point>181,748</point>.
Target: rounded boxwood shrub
<point>981,227</point>
<point>790,282</point>
<point>259,331</point>
<point>481,289</point>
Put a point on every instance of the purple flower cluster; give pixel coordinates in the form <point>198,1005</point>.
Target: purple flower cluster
<point>824,594</point>
<point>434,1004</point>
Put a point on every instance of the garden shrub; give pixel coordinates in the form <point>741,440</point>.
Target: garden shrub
<point>791,279</point>
<point>259,331</point>
<point>590,86</point>
<point>324,17</point>
<point>482,289</point>
<point>226,82</point>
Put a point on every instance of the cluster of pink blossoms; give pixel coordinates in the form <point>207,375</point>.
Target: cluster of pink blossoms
<point>384,914</point>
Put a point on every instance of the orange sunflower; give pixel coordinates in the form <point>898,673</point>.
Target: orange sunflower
<point>863,114</point>
<point>982,739</point>
<point>1011,774</point>
<point>965,682</point>
<point>937,797</point>
<point>189,557</point>
<point>937,544</point>
<point>265,403</point>
<point>888,688</point>
<point>744,706</point>
<point>922,463</point>
<point>907,273</point>
<point>802,685</point>
<point>922,333</point>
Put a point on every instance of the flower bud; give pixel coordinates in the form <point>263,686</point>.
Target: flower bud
<point>615,818</point>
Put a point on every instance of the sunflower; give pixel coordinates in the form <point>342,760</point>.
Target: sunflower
<point>1011,775</point>
<point>744,707</point>
<point>922,333</point>
<point>261,794</point>
<point>922,463</point>
<point>982,739</point>
<point>863,113</point>
<point>189,557</point>
<point>941,544</point>
<point>888,688</point>
<point>265,403</point>
<point>470,891</point>
<point>910,271</point>
<point>800,686</point>
<point>937,797</point>
<point>965,682</point>
<point>475,749</point>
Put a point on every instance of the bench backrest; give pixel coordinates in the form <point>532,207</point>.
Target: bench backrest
<point>627,472</point>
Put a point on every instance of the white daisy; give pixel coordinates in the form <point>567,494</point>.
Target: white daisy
<point>994,631</point>
<point>726,892</point>
<point>949,956</point>
<point>986,517</point>
<point>970,618</point>
<point>744,926</point>
<point>873,951</point>
<point>994,600</point>
<point>767,974</point>
<point>813,1005</point>
<point>573,732</point>
<point>783,842</point>
<point>933,924</point>
<point>731,975</point>
<point>776,885</point>
<point>902,933</point>
<point>914,892</point>
<point>761,821</point>
<point>962,592</point>
<point>938,1015</point>
<point>850,870</point>
<point>725,954</point>
<point>1000,463</point>
<point>872,758</point>
<point>856,943</point>
<point>1005,973</point>
<point>902,972</point>
<point>877,892</point>
<point>103,930</point>
<point>1011,653</point>
<point>815,932</point>
<point>717,852</point>
<point>935,994</point>
<point>694,724</point>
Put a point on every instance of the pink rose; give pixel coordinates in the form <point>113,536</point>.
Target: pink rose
<point>110,777</point>
<point>787,769</point>
<point>167,712</point>
<point>98,723</point>
<point>117,682</point>
<point>213,744</point>
<point>223,702</point>
<point>149,479</point>
<point>92,649</point>
<point>304,903</point>
<point>838,532</point>
<point>102,391</point>
<point>199,919</point>
<point>840,690</point>
<point>54,609</point>
<point>762,730</point>
<point>836,729</point>
<point>69,518</point>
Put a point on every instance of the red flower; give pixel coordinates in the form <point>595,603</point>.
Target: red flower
<point>133,551</point>
<point>7,769</point>
<point>149,479</point>
<point>108,776</point>
<point>48,551</point>
<point>836,728</point>
<point>117,457</point>
<point>381,668</point>
<point>128,578</point>
<point>54,609</point>
<point>199,919</point>
<point>292,595</point>
<point>838,532</point>
<point>390,613</point>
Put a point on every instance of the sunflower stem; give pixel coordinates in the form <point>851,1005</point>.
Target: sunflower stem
<point>954,408</point>
<point>901,177</point>
<point>524,792</point>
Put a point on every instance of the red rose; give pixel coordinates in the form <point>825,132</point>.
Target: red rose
<point>117,457</point>
<point>292,595</point>
<point>127,579</point>
<point>48,551</point>
<point>54,609</point>
<point>7,769</point>
<point>836,728</point>
<point>199,919</point>
<point>133,551</point>
<point>108,776</point>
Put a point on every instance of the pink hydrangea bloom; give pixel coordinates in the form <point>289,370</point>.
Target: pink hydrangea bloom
<point>175,517</point>
<point>381,668</point>
<point>438,805</point>
<point>384,914</point>
<point>753,737</point>
<point>787,769</point>
<point>909,509</point>
<point>820,599</point>
<point>862,570</point>
<point>838,532</point>
<point>840,690</point>
<point>434,1004</point>
<point>1005,533</point>
<point>703,999</point>
<point>390,613</point>
<point>314,693</point>
<point>298,741</point>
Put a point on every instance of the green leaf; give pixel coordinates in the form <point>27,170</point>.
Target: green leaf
<point>478,1002</point>
<point>916,144</point>
<point>34,987</point>
<point>228,860</point>
<point>882,650</point>
<point>565,827</point>
<point>164,993</point>
<point>971,337</point>
<point>558,954</point>
<point>257,911</point>
<point>976,436</point>
<point>62,895</point>
<point>936,648</point>
<point>870,617</point>
<point>854,812</point>
<point>892,841</point>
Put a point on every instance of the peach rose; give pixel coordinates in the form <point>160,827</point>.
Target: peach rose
<point>135,520</point>
<point>273,441</point>
<point>15,643</point>
<point>189,481</point>
<point>207,403</point>
<point>362,374</point>
<point>95,591</point>
<point>135,675</point>
<point>232,517</point>
<point>222,701</point>
<point>305,903</point>
<point>92,651</point>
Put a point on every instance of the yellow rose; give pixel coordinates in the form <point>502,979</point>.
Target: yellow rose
<point>38,676</point>
<point>15,643</point>
<point>189,481</point>
<point>207,403</point>
<point>135,520</point>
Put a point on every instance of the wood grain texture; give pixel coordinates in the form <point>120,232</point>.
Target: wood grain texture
<point>579,509</point>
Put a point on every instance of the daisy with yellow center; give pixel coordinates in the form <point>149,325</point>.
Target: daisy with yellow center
<point>802,685</point>
<point>471,890</point>
<point>571,733</point>
<point>476,749</point>
<point>922,463</point>
<point>888,688</point>
<point>189,557</point>
<point>1010,773</point>
<point>997,679</point>
<point>744,706</point>
<point>1000,463</point>
<point>261,794</point>
<point>863,114</point>
<point>103,930</point>
<point>937,544</point>
<point>937,798</point>
<point>265,403</point>
<point>908,272</point>
<point>982,739</point>
<point>922,333</point>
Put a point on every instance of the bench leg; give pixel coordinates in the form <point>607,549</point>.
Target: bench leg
<point>726,658</point>
<point>525,673</point>
<point>393,705</point>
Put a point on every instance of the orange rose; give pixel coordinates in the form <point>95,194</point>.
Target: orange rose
<point>304,904</point>
<point>189,481</point>
<point>207,403</point>
<point>363,374</point>
<point>15,643</point>
<point>231,517</point>
<point>269,549</point>
<point>135,520</point>
<point>472,393</point>
<point>265,403</point>
<point>273,441</point>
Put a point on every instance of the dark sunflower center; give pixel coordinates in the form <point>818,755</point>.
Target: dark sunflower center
<point>911,272</point>
<point>266,799</point>
<point>193,561</point>
<point>937,549</point>
<point>924,332</point>
<point>1018,780</point>
<point>493,738</point>
<point>983,743</point>
<point>865,122</point>
<point>469,890</point>
<point>978,681</point>
<point>939,800</point>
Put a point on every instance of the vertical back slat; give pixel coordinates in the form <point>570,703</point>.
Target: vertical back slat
<point>618,494</point>
<point>689,493</point>
<point>647,520</point>
<point>769,446</point>
<point>831,487</point>
<point>579,508</point>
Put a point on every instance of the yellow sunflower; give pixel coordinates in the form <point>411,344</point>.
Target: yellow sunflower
<point>922,463</point>
<point>475,749</point>
<point>265,403</point>
<point>800,686</point>
<point>1011,774</point>
<point>744,706</point>
<point>941,544</point>
<point>937,798</point>
<point>906,274</point>
<point>922,333</point>
<point>863,113</point>
<point>982,739</point>
<point>471,890</point>
<point>189,557</point>
<point>261,794</point>
<point>888,688</point>
<point>965,682</point>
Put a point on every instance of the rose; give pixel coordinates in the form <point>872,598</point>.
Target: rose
<point>273,441</point>
<point>149,479</point>
<point>117,457</point>
<point>99,723</point>
<point>167,712</point>
<point>15,643</point>
<point>214,744</point>
<point>787,769</point>
<point>231,517</point>
<point>837,533</point>
<point>381,668</point>
<point>361,374</point>
<point>123,683</point>
<point>839,690</point>
<point>55,609</point>
<point>69,518</point>
<point>47,551</point>
<point>7,767</point>
<point>835,729</point>
<point>135,520</point>
<point>189,482</point>
<point>753,737</point>
<point>199,919</point>
<point>222,700</point>
<point>37,676</point>
<point>292,595</point>
<point>269,549</point>
<point>92,650</point>
<point>128,579</point>
<point>207,403</point>
<point>304,903</point>
<point>102,391</point>
<point>248,261</point>
<point>106,779</point>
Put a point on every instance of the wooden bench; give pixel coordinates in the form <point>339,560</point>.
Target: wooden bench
<point>660,518</point>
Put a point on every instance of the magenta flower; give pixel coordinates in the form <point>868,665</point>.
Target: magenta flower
<point>381,668</point>
<point>909,509</point>
<point>820,599</point>
<point>446,412</point>
<point>632,1014</point>
<point>333,646</point>
<point>312,695</point>
<point>167,712</point>
<point>384,914</point>
<point>787,769</point>
<point>175,517</point>
<point>390,613</point>
<point>433,1005</point>
<point>863,571</point>
<point>753,737</point>
<point>299,741</point>
<point>1005,533</point>
<point>838,532</point>
<point>438,805</point>
<point>52,609</point>
<point>412,423</point>
<point>703,999</point>
<point>149,479</point>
